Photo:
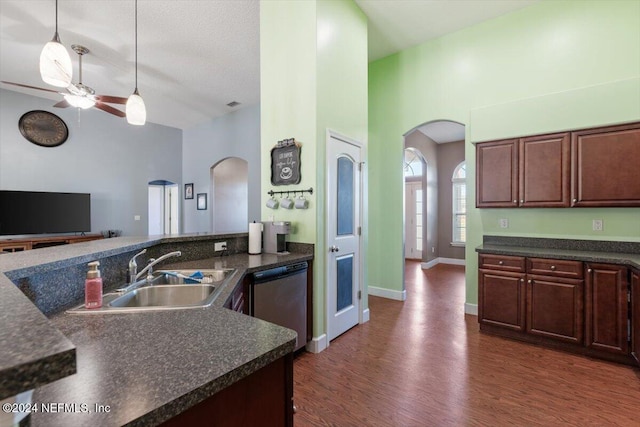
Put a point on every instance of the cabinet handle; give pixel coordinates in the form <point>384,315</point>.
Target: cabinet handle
<point>530,281</point>
<point>521,280</point>
<point>553,268</point>
<point>500,262</point>
<point>575,200</point>
<point>522,201</point>
<point>589,270</point>
<point>515,201</point>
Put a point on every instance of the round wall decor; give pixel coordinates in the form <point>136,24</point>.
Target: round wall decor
<point>43,128</point>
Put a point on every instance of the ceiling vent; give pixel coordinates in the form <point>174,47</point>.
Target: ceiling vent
<point>233,104</point>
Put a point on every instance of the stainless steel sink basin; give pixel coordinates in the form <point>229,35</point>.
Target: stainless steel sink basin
<point>166,296</point>
<point>167,290</point>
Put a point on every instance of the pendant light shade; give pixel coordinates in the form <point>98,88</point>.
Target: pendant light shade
<point>55,62</point>
<point>135,109</point>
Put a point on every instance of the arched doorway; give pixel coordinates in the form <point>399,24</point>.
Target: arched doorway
<point>440,143</point>
<point>163,212</point>
<point>230,196</point>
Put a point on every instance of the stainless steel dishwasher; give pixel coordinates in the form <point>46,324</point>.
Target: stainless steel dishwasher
<point>279,295</point>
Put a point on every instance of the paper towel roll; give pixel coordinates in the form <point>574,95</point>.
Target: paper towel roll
<point>255,238</point>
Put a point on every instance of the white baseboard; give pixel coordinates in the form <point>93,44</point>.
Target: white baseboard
<point>434,262</point>
<point>453,261</point>
<point>366,315</point>
<point>317,344</point>
<point>471,309</point>
<point>388,293</point>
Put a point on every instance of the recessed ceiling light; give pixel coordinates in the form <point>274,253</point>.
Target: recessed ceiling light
<point>233,104</point>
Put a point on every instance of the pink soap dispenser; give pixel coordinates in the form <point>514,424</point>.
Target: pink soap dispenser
<point>93,287</point>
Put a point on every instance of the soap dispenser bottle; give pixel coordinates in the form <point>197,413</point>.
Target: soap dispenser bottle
<point>93,287</point>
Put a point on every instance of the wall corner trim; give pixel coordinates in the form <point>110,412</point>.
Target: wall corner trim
<point>317,344</point>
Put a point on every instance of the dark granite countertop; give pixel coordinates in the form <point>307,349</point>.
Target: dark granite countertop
<point>147,367</point>
<point>624,253</point>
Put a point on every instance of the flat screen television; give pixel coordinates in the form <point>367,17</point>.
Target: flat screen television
<point>37,212</point>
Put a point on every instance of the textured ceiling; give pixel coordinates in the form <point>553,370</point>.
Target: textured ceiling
<point>395,25</point>
<point>194,56</point>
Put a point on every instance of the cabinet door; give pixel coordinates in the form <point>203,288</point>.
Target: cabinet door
<point>544,171</point>
<point>635,315</point>
<point>497,174</point>
<point>607,308</point>
<point>501,299</point>
<point>555,308</point>
<point>605,166</point>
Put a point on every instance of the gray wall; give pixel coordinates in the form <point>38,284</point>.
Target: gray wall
<point>428,148</point>
<point>234,135</point>
<point>449,156</point>
<point>104,156</point>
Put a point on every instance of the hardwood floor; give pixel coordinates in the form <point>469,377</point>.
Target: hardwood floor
<point>423,362</point>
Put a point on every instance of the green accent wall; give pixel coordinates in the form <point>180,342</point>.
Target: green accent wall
<point>549,67</point>
<point>313,77</point>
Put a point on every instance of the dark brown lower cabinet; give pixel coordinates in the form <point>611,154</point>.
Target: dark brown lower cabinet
<point>501,299</point>
<point>555,308</point>
<point>264,398</point>
<point>607,308</point>
<point>635,314</point>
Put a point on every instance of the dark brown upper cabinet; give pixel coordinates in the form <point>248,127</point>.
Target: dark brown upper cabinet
<point>527,172</point>
<point>497,174</point>
<point>635,315</point>
<point>606,171</point>
<point>545,171</point>
<point>590,167</point>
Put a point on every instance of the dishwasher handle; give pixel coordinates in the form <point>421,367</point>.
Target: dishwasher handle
<point>277,272</point>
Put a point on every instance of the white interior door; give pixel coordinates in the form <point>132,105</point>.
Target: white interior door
<point>413,221</point>
<point>344,194</point>
<point>156,209</point>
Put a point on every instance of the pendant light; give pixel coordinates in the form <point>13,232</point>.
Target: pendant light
<point>136,111</point>
<point>55,62</point>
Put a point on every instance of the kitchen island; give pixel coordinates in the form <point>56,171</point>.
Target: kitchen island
<point>140,368</point>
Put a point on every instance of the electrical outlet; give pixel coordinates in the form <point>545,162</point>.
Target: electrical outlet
<point>597,225</point>
<point>136,218</point>
<point>503,222</point>
<point>219,246</point>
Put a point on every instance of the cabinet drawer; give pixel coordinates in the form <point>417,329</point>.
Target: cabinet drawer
<point>503,262</point>
<point>555,267</point>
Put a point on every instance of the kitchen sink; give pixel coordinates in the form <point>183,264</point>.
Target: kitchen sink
<point>166,290</point>
<point>166,296</point>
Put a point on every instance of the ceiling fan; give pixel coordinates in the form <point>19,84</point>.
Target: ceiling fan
<point>80,95</point>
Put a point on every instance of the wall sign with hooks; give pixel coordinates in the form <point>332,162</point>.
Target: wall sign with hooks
<point>285,162</point>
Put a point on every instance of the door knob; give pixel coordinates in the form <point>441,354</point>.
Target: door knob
<point>334,248</point>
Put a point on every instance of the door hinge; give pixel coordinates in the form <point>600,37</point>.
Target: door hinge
<point>628,295</point>
<point>360,166</point>
<point>359,294</point>
<point>629,330</point>
<point>359,231</point>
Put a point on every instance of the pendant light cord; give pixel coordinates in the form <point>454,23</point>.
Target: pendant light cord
<point>136,44</point>
<point>57,16</point>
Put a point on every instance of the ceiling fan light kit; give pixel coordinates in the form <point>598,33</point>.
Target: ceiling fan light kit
<point>55,62</point>
<point>135,108</point>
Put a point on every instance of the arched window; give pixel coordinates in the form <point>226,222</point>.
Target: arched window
<point>459,196</point>
<point>412,164</point>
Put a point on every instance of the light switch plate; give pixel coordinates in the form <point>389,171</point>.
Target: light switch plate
<point>136,218</point>
<point>503,222</point>
<point>219,246</point>
<point>597,225</point>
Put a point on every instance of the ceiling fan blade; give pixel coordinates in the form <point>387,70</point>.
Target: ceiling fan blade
<point>111,99</point>
<point>110,109</point>
<point>30,87</point>
<point>62,104</point>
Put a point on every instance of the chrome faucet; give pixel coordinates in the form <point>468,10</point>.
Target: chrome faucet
<point>134,283</point>
<point>149,268</point>
<point>132,271</point>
